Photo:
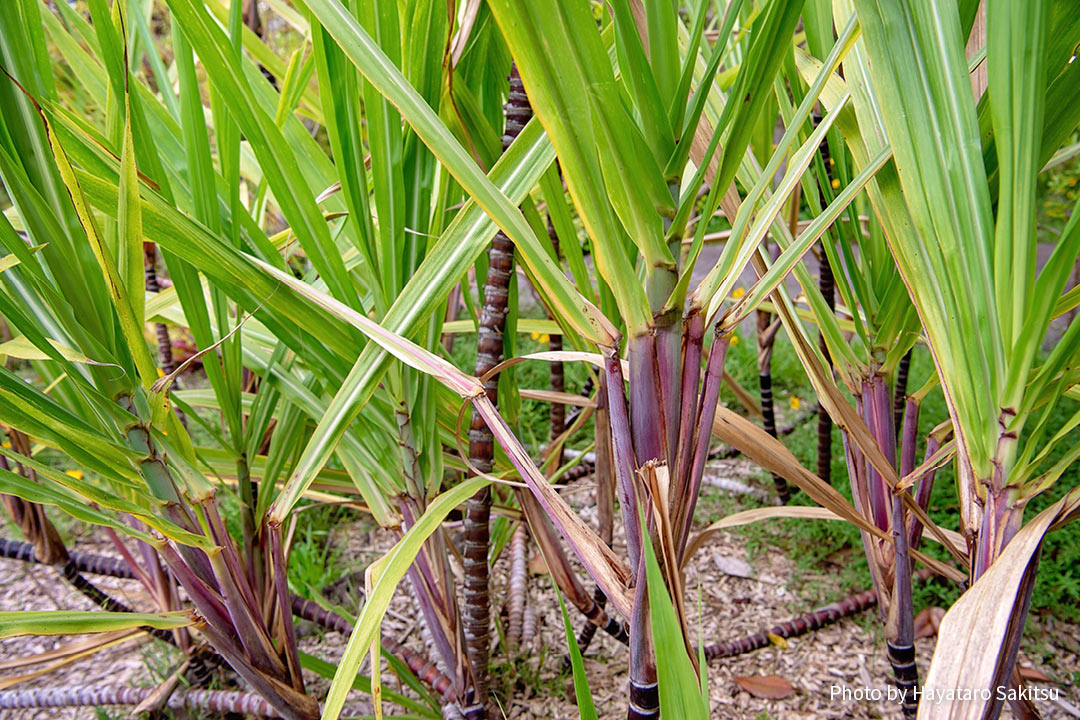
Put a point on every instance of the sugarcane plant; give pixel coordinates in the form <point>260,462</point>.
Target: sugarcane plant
<point>957,213</point>
<point>106,400</point>
<point>314,275</point>
<point>634,213</point>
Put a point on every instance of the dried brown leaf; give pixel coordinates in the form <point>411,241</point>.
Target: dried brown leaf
<point>928,621</point>
<point>770,687</point>
<point>1034,675</point>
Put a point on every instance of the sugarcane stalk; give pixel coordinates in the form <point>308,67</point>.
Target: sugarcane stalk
<point>622,454</point>
<point>901,623</point>
<point>547,540</point>
<point>693,339</point>
<point>605,506</point>
<point>477,601</point>
<point>165,355</point>
<point>803,624</point>
<point>555,368</point>
<point>644,691</point>
<point>519,556</point>
<point>706,412</point>
<point>211,701</point>
<point>287,631</point>
<point>827,285</point>
<point>900,394</point>
<point>766,339</point>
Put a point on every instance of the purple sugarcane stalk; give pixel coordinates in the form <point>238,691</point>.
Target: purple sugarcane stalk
<point>803,624</point>
<point>693,337</point>
<point>827,285</point>
<point>875,484</point>
<point>922,494</point>
<point>623,454</point>
<point>212,701</point>
<point>669,356</point>
<point>900,397</point>
<point>280,581</point>
<point>291,704</point>
<point>644,696</point>
<point>247,621</point>
<point>901,647</point>
<point>766,338</point>
<point>646,412</point>
<point>710,395</point>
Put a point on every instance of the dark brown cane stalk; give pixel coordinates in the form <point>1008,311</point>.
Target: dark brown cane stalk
<point>827,285</point>
<point>900,394</point>
<point>165,356</point>
<point>477,603</point>
<point>766,339</point>
<point>558,380</point>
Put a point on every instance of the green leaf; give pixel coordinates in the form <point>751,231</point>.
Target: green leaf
<point>680,694</point>
<point>73,622</point>
<point>586,708</point>
<point>390,569</point>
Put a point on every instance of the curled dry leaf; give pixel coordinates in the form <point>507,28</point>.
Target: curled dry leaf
<point>1034,675</point>
<point>770,687</point>
<point>928,621</point>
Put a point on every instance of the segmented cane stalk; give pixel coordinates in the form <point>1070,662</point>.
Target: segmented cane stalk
<point>211,701</point>
<point>802,624</point>
<point>165,356</point>
<point>900,394</point>
<point>519,556</point>
<point>766,338</point>
<point>529,636</point>
<point>558,380</point>
<point>827,285</point>
<point>477,605</point>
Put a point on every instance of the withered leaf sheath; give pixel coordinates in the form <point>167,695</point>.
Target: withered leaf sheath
<point>477,607</point>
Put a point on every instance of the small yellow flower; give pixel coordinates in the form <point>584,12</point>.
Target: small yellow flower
<point>535,336</point>
<point>734,339</point>
<point>737,293</point>
<point>794,402</point>
<point>160,373</point>
<point>835,184</point>
<point>544,339</point>
<point>77,474</point>
<point>832,163</point>
<point>6,444</point>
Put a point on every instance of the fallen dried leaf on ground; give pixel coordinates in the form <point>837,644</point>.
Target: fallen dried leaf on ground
<point>772,687</point>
